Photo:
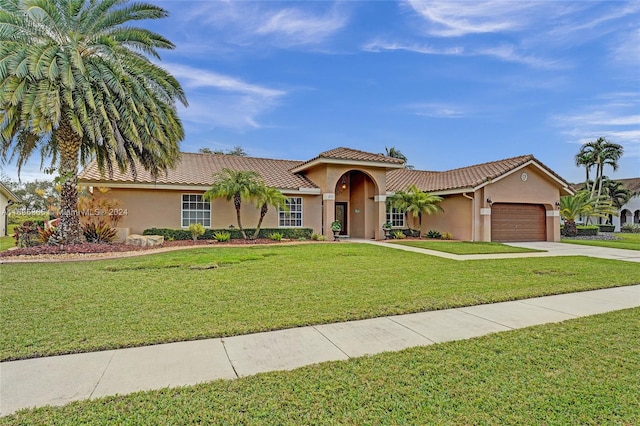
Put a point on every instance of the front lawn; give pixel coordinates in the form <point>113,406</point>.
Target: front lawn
<point>582,371</point>
<point>6,243</point>
<point>55,308</point>
<point>628,241</point>
<point>464,247</point>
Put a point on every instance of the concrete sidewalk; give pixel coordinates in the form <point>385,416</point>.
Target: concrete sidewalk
<point>62,379</point>
<point>551,250</point>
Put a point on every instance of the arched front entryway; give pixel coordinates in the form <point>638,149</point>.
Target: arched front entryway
<point>355,204</point>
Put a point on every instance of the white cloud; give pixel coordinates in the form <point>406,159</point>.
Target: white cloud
<point>455,19</point>
<point>198,78</point>
<point>437,110</point>
<point>378,46</point>
<point>507,53</point>
<point>294,26</point>
<point>616,119</point>
<point>223,101</point>
<point>259,23</point>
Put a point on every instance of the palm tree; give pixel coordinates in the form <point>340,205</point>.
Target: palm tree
<point>394,153</point>
<point>76,84</point>
<point>582,204</point>
<point>600,153</point>
<point>585,158</point>
<point>268,196</point>
<point>417,202</point>
<point>616,192</point>
<point>238,185</point>
<point>401,200</point>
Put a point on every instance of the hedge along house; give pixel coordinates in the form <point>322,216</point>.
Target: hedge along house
<point>507,200</point>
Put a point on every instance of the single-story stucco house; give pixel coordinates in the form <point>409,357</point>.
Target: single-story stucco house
<point>515,199</point>
<point>7,198</point>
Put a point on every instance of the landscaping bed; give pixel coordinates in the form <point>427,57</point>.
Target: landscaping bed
<point>90,248</point>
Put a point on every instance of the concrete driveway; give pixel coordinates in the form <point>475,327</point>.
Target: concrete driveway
<point>565,249</point>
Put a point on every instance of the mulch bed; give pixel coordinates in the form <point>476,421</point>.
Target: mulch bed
<point>89,248</point>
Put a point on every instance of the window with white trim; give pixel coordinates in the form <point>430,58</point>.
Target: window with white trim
<point>293,217</point>
<point>395,216</point>
<point>195,210</point>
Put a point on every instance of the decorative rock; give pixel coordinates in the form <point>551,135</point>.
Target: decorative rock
<point>145,240</point>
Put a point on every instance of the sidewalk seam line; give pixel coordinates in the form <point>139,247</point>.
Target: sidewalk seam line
<point>233,367</point>
<point>103,373</point>
<point>331,341</point>
<point>483,318</point>
<point>411,329</point>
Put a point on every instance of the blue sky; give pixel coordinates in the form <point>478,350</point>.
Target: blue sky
<point>450,84</point>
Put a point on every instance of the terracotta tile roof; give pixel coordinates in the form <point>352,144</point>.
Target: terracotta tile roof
<point>465,177</point>
<point>198,169</point>
<point>632,184</point>
<point>349,154</point>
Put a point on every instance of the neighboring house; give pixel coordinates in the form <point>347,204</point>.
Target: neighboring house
<point>630,212</point>
<point>7,198</point>
<point>515,199</point>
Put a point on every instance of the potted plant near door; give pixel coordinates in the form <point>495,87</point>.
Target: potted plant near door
<point>336,227</point>
<point>387,230</point>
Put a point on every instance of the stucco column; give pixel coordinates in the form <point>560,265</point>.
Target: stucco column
<point>553,225</point>
<point>328,213</point>
<point>381,201</point>
<point>485,220</point>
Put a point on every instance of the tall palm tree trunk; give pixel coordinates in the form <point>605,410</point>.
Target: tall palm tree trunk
<point>263,213</point>
<point>237,201</point>
<point>68,231</point>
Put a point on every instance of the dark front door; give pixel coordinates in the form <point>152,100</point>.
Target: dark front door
<point>341,216</point>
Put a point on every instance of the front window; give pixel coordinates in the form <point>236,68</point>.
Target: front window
<point>395,216</point>
<point>293,217</point>
<point>195,210</point>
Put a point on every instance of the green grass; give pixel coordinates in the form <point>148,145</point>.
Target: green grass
<point>6,243</point>
<point>628,242</point>
<point>582,371</point>
<point>57,308</point>
<point>465,247</point>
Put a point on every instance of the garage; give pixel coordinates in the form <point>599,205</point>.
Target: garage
<point>518,222</point>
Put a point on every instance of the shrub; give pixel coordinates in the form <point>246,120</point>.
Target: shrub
<point>45,233</point>
<point>315,237</point>
<point>322,238</point>
<point>587,230</point>
<point>27,234</point>
<point>99,232</point>
<point>432,233</point>
<point>447,236</point>
<point>631,227</point>
<point>222,236</point>
<point>607,228</point>
<point>275,236</point>
<point>16,218</point>
<point>184,234</point>
<point>399,235</point>
<point>197,230</point>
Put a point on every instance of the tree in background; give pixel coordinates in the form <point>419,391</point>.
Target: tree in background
<point>236,185</point>
<point>394,153</point>
<point>76,84</point>
<point>237,150</point>
<point>616,192</point>
<point>598,154</point>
